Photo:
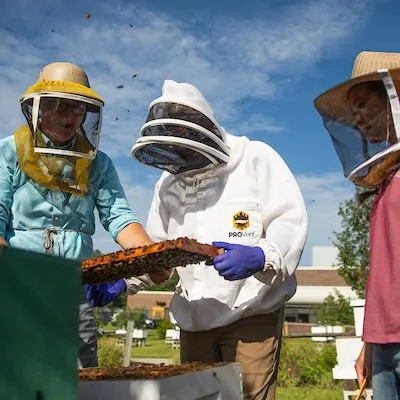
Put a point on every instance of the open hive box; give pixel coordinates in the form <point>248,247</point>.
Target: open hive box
<point>140,381</point>
<point>141,260</point>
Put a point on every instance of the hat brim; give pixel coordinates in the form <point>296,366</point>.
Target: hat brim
<point>334,102</point>
<point>43,86</point>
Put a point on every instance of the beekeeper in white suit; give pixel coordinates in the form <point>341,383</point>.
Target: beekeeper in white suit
<point>239,195</point>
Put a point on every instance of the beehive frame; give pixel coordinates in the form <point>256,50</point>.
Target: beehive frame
<point>141,260</point>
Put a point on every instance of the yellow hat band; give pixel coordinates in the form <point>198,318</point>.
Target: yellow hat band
<point>43,86</point>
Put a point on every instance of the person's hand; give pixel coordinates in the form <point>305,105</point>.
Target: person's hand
<point>2,242</point>
<point>363,366</point>
<point>160,276</point>
<point>104,293</point>
<point>238,261</point>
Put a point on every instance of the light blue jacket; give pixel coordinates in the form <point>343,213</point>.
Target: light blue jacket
<point>38,219</point>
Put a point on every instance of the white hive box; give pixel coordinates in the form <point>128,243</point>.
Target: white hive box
<point>347,350</point>
<point>219,383</point>
<point>325,330</point>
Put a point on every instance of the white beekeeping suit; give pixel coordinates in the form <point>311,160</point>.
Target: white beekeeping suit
<point>237,178</point>
<point>240,196</point>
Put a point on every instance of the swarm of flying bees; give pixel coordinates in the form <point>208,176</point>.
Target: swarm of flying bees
<point>89,16</point>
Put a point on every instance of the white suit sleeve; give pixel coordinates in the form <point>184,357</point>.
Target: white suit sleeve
<point>283,212</point>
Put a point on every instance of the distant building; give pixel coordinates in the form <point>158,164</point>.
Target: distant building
<point>314,284</point>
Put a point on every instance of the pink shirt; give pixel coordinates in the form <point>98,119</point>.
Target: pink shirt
<point>382,309</point>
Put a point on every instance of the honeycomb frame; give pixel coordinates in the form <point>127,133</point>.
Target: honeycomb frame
<point>146,259</point>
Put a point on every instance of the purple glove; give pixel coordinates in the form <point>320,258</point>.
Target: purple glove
<point>104,293</point>
<point>238,261</point>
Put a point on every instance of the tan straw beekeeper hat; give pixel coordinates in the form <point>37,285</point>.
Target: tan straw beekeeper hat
<point>63,77</point>
<point>334,102</point>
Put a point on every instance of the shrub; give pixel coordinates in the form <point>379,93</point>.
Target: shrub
<point>109,355</point>
<point>335,310</point>
<point>162,327</point>
<point>304,362</point>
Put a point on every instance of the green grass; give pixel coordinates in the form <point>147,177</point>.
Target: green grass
<point>155,348</point>
<point>306,393</point>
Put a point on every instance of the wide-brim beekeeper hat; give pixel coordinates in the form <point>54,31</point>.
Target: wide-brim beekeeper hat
<point>365,162</point>
<point>63,77</point>
<point>64,81</point>
<point>368,66</point>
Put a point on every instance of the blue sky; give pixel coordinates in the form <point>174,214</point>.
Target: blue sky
<point>260,63</point>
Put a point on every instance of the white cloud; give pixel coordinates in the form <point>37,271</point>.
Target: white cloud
<point>257,124</point>
<point>297,36</point>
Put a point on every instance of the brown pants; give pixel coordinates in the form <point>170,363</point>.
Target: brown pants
<point>254,342</point>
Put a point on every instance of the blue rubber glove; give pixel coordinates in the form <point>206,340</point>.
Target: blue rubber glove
<point>104,293</point>
<point>238,261</point>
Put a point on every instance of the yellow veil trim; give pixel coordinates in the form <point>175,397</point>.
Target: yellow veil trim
<point>36,165</point>
<point>44,86</point>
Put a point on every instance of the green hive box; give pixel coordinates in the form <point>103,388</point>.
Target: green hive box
<point>40,297</point>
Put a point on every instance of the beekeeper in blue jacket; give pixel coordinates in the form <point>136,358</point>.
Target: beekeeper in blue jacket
<point>52,178</point>
<point>239,195</point>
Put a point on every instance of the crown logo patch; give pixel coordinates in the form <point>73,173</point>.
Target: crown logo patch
<point>241,220</point>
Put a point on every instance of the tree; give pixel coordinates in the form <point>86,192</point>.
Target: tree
<point>353,243</point>
<point>334,310</point>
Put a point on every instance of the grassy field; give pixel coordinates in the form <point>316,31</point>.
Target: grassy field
<point>309,394</point>
<point>154,347</point>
